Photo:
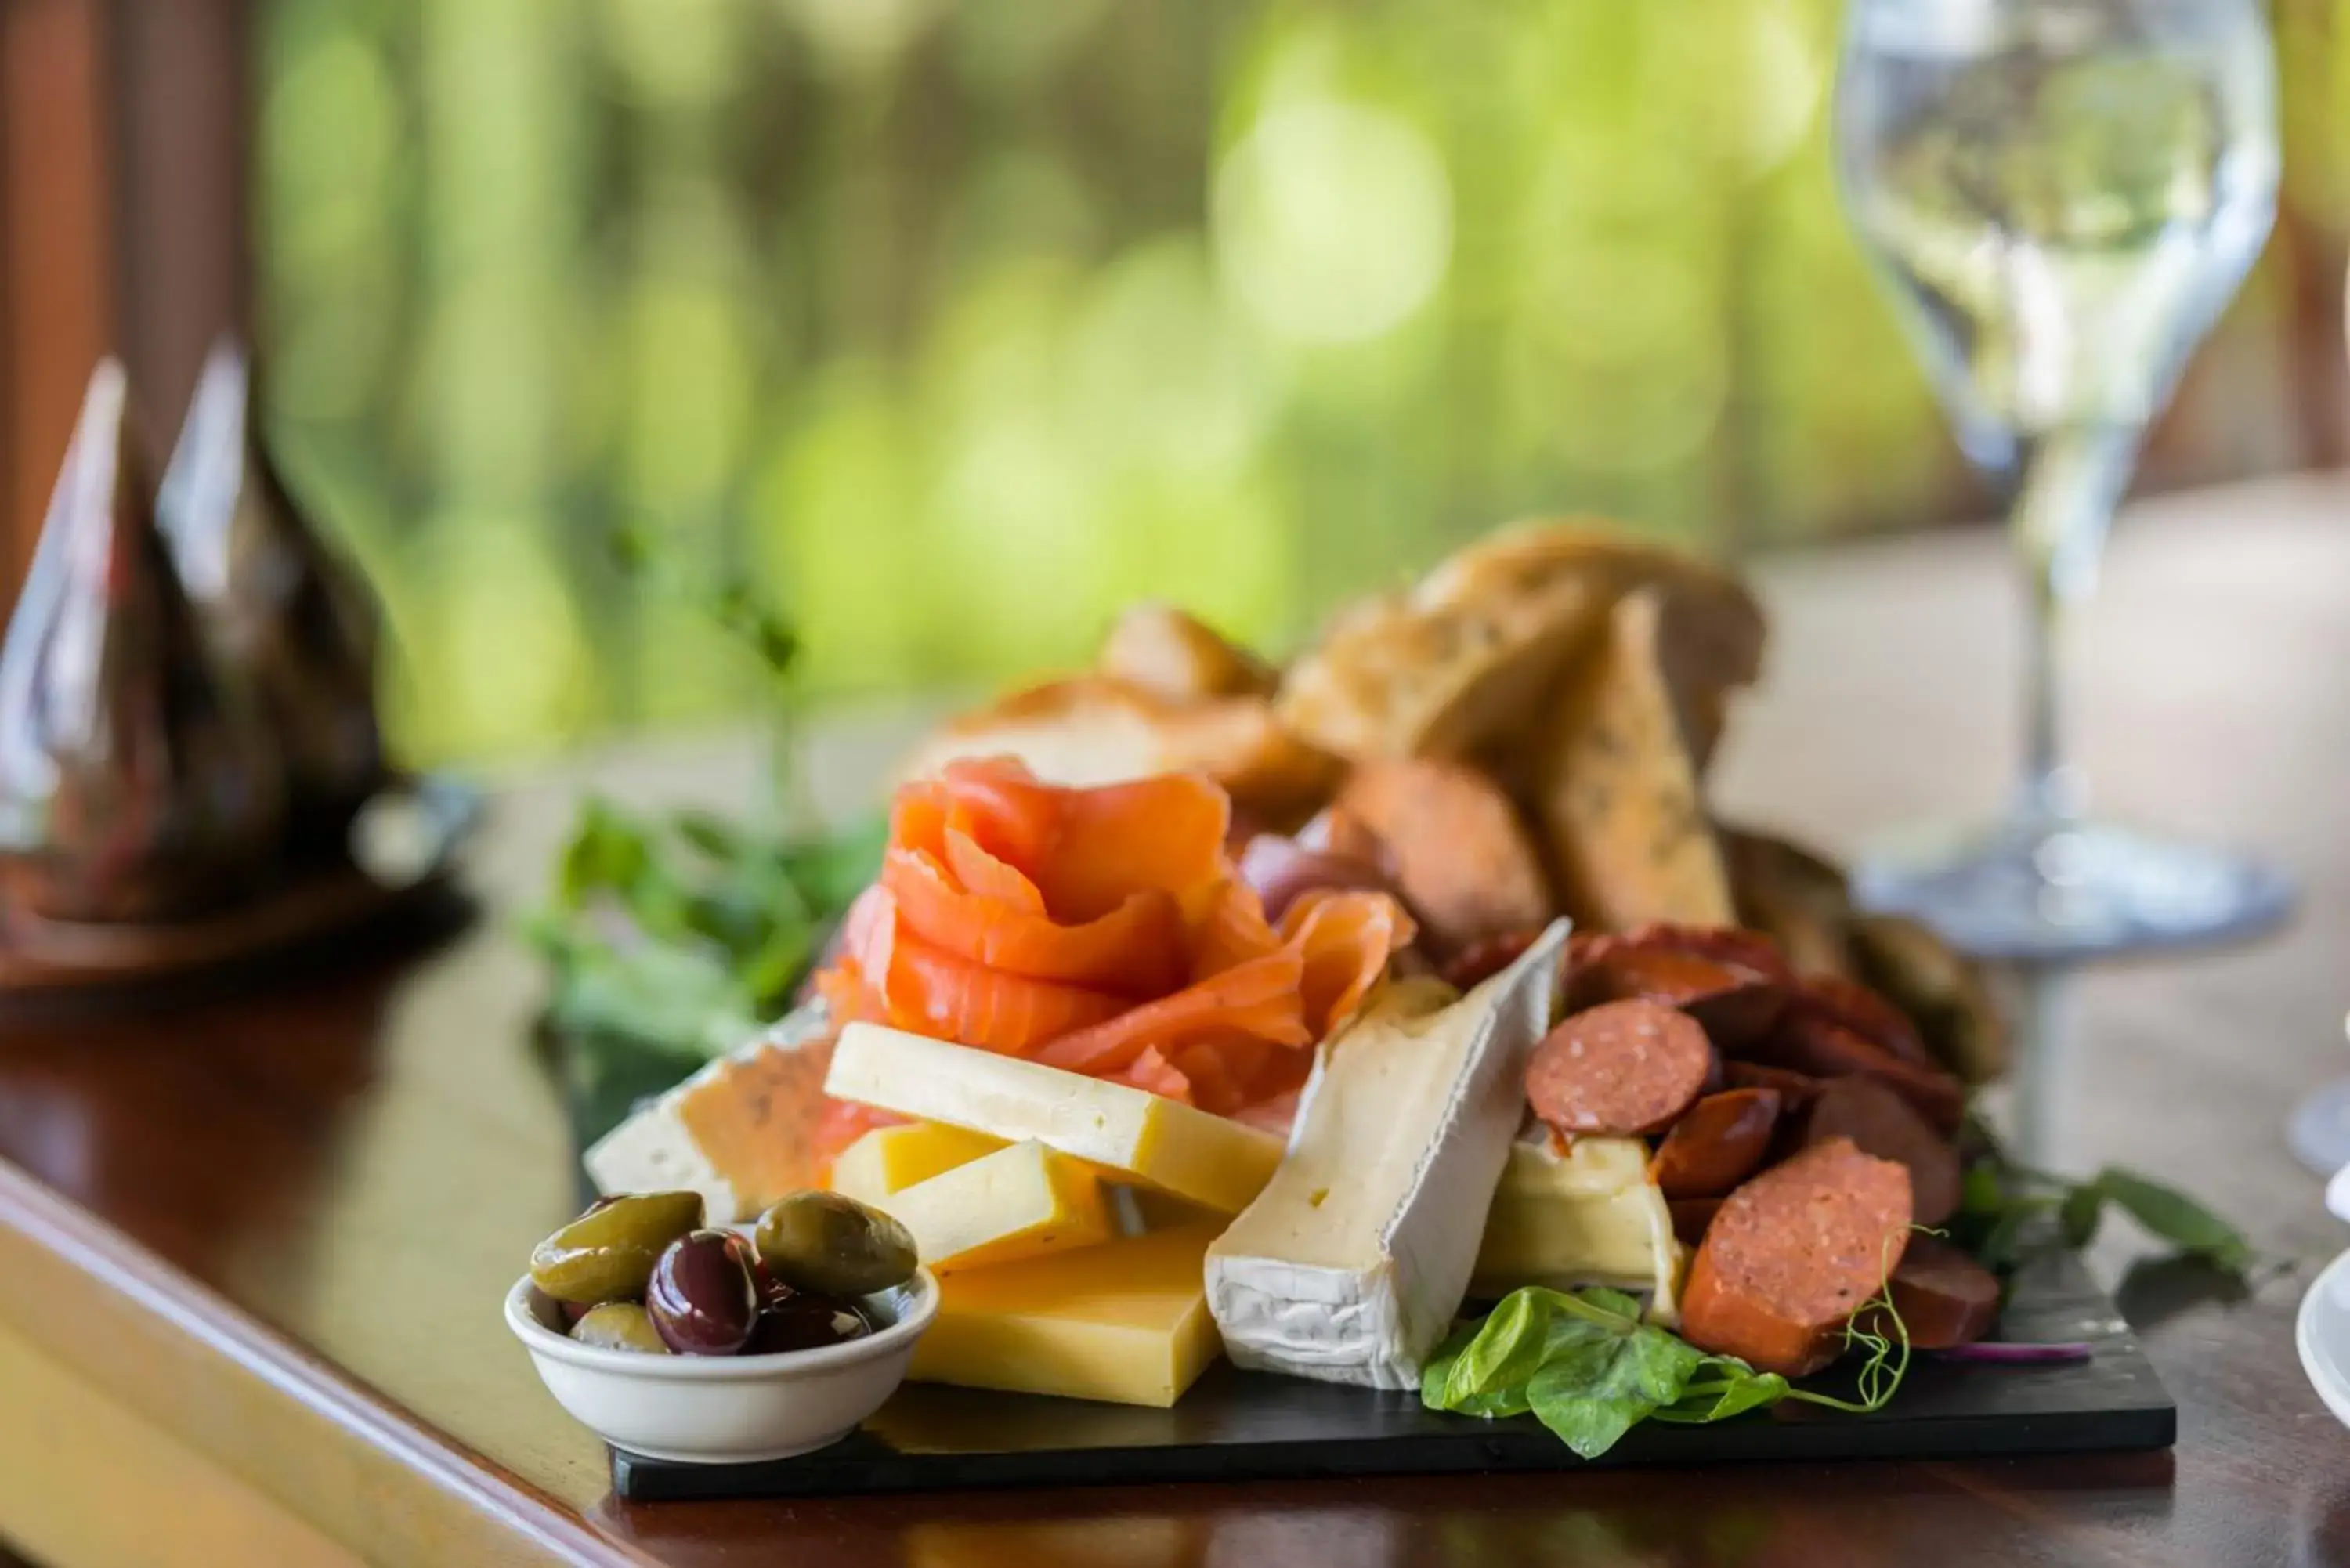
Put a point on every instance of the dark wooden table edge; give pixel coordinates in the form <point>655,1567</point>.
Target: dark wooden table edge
<point>262,1406</point>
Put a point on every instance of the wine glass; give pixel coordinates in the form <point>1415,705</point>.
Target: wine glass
<point>2319,1129</point>
<point>2062,195</point>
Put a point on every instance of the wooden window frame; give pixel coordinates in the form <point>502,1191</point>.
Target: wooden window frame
<point>125,199</point>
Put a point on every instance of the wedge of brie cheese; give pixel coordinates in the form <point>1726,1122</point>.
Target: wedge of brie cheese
<point>1583,1215</point>
<point>1353,1261</point>
<point>741,1132</point>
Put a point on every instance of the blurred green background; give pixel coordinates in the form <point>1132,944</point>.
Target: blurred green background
<point>954,326</point>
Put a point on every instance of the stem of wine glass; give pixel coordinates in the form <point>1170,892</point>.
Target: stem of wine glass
<point>2071,479</point>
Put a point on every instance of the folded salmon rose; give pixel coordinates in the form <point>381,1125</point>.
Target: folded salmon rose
<point>1103,931</point>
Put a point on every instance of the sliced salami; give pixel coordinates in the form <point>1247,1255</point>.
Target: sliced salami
<point>1945,1298</point>
<point>1624,1068</point>
<point>1808,1043</point>
<point>1792,1255</point>
<point>1735,1005</point>
<point>1874,1117</point>
<point>1718,1143</point>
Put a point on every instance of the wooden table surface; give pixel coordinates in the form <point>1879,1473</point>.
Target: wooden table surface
<point>252,1250</point>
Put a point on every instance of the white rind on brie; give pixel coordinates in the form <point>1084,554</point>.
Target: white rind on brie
<point>1351,1264</point>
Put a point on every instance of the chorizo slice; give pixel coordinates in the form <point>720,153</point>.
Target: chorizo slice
<point>1945,1298</point>
<point>1623,1068</point>
<point>1791,1256</point>
<point>1806,1042</point>
<point>1463,860</point>
<point>1795,1090</point>
<point>1724,944</point>
<point>1865,1013</point>
<point>1877,1121</point>
<point>1690,1216</point>
<point>1487,957</point>
<point>1718,1143</point>
<point>1735,1005</point>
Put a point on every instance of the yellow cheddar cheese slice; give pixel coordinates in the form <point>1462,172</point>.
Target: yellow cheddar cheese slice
<point>1586,1217</point>
<point>1021,1202</point>
<point>1125,1322</point>
<point>1215,1162</point>
<point>890,1159</point>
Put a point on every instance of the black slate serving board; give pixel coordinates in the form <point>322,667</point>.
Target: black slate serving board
<point>1238,1426</point>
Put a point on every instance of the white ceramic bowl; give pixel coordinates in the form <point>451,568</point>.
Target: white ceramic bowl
<point>728,1409</point>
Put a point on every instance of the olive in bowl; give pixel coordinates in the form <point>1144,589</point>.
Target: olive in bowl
<point>716,1360</point>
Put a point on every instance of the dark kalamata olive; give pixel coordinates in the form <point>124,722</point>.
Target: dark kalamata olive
<point>802,1320</point>
<point>607,1254</point>
<point>619,1325</point>
<point>701,1298</point>
<point>833,1245</point>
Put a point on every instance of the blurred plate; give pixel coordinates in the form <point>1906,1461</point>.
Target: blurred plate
<point>405,844</point>
<point>2322,1334</point>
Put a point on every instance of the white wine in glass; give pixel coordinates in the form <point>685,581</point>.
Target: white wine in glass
<point>2063,194</point>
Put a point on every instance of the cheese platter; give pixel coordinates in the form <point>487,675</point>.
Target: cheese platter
<point>1382,1063</point>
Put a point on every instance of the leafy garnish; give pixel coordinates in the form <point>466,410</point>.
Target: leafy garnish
<point>684,935</point>
<point>677,938</point>
<point>2012,1213</point>
<point>1590,1370</point>
<point>727,601</point>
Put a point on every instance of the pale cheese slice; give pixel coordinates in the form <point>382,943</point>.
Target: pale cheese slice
<point>890,1159</point>
<point>1353,1263</point>
<point>1125,1322</point>
<point>741,1132</point>
<point>1214,1161</point>
<point>1022,1201</point>
<point>1587,1215</point>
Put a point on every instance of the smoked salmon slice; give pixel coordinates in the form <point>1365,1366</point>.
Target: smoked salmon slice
<point>1260,998</point>
<point>1232,930</point>
<point>1345,940</point>
<point>984,876</point>
<point>932,991</point>
<point>1104,931</point>
<point>1135,950</point>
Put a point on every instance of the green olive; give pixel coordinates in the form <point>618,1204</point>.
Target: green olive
<point>608,1254</point>
<point>619,1325</point>
<point>833,1245</point>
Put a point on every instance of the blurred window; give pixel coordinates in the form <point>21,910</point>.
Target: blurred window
<point>954,326</point>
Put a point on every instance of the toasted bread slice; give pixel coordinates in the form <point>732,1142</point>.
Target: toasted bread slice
<point>1096,729</point>
<point>1616,782</point>
<point>1464,661</point>
<point>1176,655</point>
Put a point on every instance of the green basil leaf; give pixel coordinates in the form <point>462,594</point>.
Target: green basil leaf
<point>2078,1216</point>
<point>1981,1192</point>
<point>1724,1387</point>
<point>2004,1243</point>
<point>681,1000</point>
<point>1584,1401</point>
<point>1504,1352</point>
<point>1594,1388</point>
<point>712,835</point>
<point>608,853</point>
<point>1616,1303</point>
<point>2178,1218</point>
